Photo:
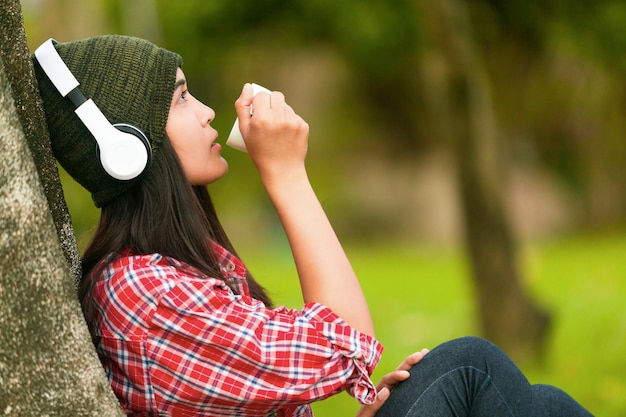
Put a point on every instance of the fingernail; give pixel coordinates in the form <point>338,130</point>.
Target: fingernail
<point>383,394</point>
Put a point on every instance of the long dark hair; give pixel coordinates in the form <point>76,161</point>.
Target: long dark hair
<point>162,214</point>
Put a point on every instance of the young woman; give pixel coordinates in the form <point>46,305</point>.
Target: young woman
<point>180,326</point>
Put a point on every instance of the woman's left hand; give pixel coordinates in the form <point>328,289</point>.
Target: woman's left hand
<point>389,381</point>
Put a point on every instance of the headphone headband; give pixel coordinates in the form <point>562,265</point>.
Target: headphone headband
<point>54,67</point>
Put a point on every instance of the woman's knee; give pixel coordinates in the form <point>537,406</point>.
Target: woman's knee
<point>471,345</point>
<point>467,351</point>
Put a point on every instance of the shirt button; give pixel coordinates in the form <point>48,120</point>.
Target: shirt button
<point>230,267</point>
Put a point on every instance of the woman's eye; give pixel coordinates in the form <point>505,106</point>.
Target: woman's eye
<point>183,96</point>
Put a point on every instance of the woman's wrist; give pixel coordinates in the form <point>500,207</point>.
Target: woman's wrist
<point>284,182</point>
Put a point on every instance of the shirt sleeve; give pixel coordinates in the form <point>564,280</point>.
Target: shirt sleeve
<point>209,344</point>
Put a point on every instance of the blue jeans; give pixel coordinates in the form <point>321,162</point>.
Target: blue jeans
<point>473,377</point>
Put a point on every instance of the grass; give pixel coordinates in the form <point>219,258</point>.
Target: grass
<point>420,297</point>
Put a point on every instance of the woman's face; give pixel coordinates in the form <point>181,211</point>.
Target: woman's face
<point>189,130</point>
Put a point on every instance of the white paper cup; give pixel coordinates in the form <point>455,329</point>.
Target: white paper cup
<point>235,140</point>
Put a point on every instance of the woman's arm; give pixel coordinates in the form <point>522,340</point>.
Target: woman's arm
<point>276,139</point>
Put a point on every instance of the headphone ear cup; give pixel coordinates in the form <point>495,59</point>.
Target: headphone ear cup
<point>138,133</point>
<point>126,154</point>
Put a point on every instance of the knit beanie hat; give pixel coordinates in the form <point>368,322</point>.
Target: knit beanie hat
<point>131,80</point>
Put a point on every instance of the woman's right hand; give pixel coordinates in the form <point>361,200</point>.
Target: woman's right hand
<point>389,381</point>
<point>276,137</point>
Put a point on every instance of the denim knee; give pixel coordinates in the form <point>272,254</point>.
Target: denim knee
<point>469,350</point>
<point>446,381</point>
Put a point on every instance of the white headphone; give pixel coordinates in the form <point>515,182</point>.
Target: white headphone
<point>123,149</point>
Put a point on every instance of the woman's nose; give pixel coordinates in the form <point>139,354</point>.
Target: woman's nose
<point>207,114</point>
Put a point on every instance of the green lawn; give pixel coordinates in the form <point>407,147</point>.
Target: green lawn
<point>420,297</point>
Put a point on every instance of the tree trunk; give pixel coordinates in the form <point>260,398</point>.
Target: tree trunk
<point>48,365</point>
<point>460,94</point>
<point>29,108</point>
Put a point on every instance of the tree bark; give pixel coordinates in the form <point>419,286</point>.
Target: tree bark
<point>48,365</point>
<point>461,98</point>
<point>29,108</point>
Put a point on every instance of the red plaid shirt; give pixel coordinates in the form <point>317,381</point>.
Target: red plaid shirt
<point>175,342</point>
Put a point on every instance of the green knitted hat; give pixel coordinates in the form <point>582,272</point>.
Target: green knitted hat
<point>130,80</point>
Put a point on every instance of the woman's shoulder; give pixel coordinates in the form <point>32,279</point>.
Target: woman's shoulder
<point>134,285</point>
<point>129,277</point>
<point>154,268</point>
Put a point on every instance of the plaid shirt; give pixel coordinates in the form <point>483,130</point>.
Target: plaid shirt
<point>175,342</point>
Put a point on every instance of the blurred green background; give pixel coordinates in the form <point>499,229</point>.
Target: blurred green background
<point>361,73</point>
